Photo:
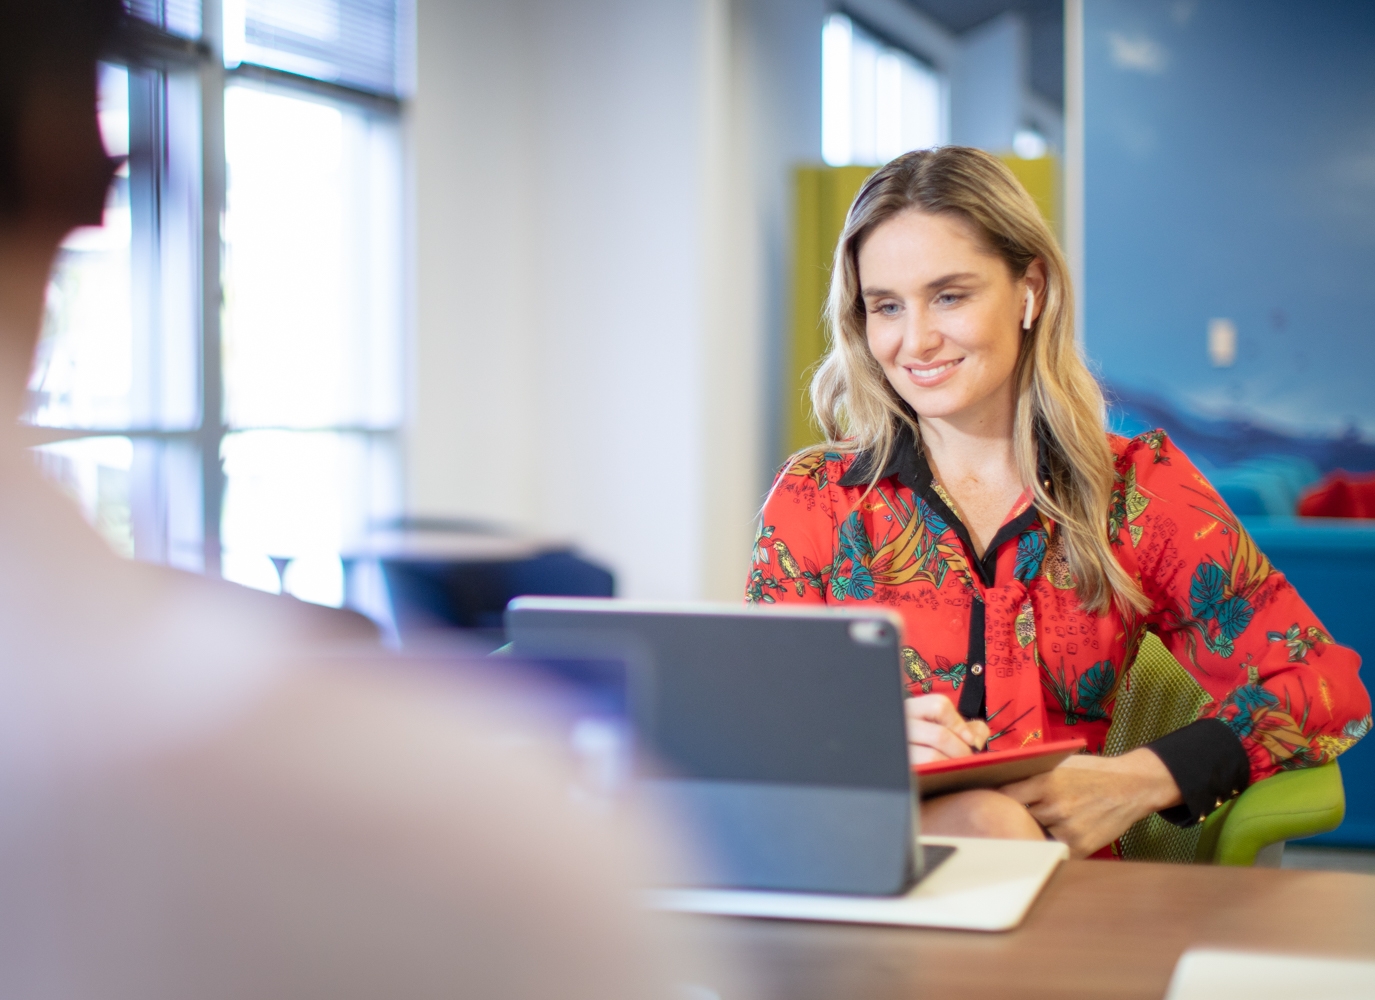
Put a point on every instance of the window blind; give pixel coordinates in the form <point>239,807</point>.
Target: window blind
<point>357,43</point>
<point>181,17</point>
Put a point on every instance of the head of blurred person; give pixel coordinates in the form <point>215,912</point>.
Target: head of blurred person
<point>201,799</point>
<point>939,254</point>
<point>54,171</point>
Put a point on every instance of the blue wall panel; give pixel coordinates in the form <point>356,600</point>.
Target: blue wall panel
<point>1230,165</point>
<point>1230,172</point>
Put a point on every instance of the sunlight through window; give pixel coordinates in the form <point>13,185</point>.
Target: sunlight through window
<point>877,101</point>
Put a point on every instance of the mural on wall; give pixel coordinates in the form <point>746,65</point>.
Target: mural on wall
<point>1229,246</point>
<point>1230,222</point>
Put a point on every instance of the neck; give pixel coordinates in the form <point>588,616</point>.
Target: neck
<point>975,443</point>
<point>25,261</point>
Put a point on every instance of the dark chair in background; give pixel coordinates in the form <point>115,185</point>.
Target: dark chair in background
<point>472,596</point>
<point>457,577</point>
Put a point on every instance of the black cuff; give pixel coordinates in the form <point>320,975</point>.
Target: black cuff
<point>1208,763</point>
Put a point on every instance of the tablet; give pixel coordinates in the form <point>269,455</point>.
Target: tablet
<point>993,769</point>
<point>775,737</point>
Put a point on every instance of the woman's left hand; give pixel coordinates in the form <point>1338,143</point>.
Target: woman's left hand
<point>1088,802</point>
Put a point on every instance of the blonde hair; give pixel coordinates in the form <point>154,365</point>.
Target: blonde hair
<point>1058,437</point>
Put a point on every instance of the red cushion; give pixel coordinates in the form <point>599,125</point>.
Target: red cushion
<point>1341,494</point>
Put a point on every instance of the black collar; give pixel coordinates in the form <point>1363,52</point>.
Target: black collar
<point>908,465</point>
<point>907,462</point>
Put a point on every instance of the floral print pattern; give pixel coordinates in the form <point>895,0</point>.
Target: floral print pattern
<point>1279,681</point>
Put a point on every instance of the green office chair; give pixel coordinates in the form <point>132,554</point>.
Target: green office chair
<point>1249,830</point>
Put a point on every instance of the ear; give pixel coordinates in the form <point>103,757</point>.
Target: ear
<point>1034,281</point>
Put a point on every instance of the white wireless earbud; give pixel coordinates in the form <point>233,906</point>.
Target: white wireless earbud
<point>1030,305</point>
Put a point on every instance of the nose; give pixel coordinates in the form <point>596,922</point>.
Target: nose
<point>921,338</point>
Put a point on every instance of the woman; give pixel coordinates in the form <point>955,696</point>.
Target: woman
<point>969,485</point>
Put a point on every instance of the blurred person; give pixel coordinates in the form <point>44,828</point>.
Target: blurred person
<point>193,805</point>
<point>968,483</point>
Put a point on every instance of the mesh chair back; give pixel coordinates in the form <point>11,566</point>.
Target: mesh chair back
<point>1157,697</point>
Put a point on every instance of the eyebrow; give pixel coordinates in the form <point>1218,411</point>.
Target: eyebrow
<point>945,279</point>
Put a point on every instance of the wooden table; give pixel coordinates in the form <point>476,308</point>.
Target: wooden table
<point>1101,929</point>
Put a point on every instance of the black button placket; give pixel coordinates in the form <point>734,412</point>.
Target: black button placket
<point>910,467</point>
<point>973,694</point>
<point>973,698</point>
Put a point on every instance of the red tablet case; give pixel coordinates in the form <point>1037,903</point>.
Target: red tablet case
<point>993,769</point>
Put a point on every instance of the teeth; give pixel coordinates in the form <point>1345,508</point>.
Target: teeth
<point>929,372</point>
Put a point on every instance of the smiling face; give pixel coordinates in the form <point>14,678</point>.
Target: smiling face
<point>943,316</point>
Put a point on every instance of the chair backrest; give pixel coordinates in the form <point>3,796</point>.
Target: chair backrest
<point>1157,697</point>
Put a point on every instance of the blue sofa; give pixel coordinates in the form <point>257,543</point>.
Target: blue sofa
<point>1332,563</point>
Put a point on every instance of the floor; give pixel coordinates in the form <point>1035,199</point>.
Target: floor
<point>1339,859</point>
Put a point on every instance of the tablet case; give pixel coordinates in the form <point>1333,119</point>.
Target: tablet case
<point>993,769</point>
<point>780,733</point>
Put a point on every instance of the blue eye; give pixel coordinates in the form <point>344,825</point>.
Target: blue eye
<point>948,298</point>
<point>887,308</point>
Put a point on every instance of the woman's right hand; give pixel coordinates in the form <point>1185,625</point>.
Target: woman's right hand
<point>936,731</point>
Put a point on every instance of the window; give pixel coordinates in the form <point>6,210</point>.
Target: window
<point>218,382</point>
<point>878,101</point>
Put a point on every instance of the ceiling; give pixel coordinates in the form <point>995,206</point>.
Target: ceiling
<point>1045,21</point>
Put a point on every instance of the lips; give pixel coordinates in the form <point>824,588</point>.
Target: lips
<point>932,374</point>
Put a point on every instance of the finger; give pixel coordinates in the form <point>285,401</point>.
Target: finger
<point>937,708</point>
<point>1027,791</point>
<point>1080,846</point>
<point>938,737</point>
<point>919,754</point>
<point>979,731</point>
<point>1055,803</point>
<point>1051,813</point>
<point>1066,836</point>
<point>931,707</point>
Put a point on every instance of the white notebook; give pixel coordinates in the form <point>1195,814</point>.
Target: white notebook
<point>1209,973</point>
<point>986,885</point>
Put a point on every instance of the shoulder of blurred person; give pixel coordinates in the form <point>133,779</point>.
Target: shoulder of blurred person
<point>197,803</point>
<point>204,797</point>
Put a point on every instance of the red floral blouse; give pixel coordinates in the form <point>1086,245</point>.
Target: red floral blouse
<point>1004,635</point>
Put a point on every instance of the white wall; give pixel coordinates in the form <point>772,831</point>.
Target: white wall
<point>587,344</point>
<point>780,57</point>
<point>989,84</point>
<point>602,198</point>
<point>471,422</point>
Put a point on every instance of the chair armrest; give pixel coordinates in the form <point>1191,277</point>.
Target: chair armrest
<point>1285,806</point>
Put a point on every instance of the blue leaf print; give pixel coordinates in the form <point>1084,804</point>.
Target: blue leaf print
<point>861,584</point>
<point>1247,699</point>
<point>952,674</point>
<point>840,586</point>
<point>933,521</point>
<point>854,541</point>
<point>1207,589</point>
<point>1233,617</point>
<point>1031,550</point>
<point>1095,687</point>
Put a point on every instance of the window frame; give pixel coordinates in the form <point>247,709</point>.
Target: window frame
<point>885,43</point>
<point>146,46</point>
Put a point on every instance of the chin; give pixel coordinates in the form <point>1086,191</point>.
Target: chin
<point>936,404</point>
